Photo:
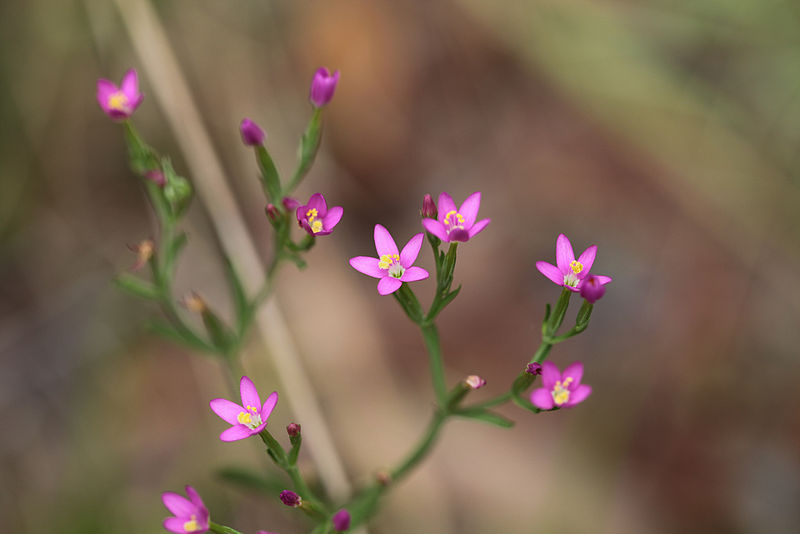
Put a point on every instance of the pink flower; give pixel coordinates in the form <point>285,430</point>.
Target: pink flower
<point>248,419</point>
<point>315,217</point>
<point>323,85</point>
<point>191,515</point>
<point>570,272</point>
<point>560,390</point>
<point>120,102</point>
<point>456,224</point>
<point>390,267</point>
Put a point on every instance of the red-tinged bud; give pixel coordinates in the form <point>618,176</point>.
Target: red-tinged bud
<point>290,498</point>
<point>252,134</point>
<point>144,251</point>
<point>293,430</point>
<point>592,289</point>
<point>475,382</point>
<point>429,210</point>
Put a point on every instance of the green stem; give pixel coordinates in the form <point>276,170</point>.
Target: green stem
<point>221,529</point>
<point>431,336</point>
<point>423,447</point>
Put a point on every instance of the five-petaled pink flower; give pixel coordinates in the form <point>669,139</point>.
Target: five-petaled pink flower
<point>315,217</point>
<point>191,515</point>
<point>120,102</point>
<point>560,390</point>
<point>248,419</point>
<point>391,267</point>
<point>569,272</point>
<point>456,224</point>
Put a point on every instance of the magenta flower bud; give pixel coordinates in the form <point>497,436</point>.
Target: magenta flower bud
<point>156,176</point>
<point>188,515</point>
<point>475,382</point>
<point>534,368</point>
<point>290,203</point>
<point>120,102</point>
<point>341,520</point>
<point>428,208</point>
<point>252,135</point>
<point>323,86</point>
<point>290,498</point>
<point>593,288</point>
<point>293,430</point>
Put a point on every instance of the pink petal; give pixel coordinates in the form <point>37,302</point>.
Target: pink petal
<point>178,505</point>
<point>130,85</point>
<point>603,279</point>
<point>368,266</point>
<point>587,259</point>
<point>436,228</point>
<point>249,394</point>
<point>469,209</point>
<point>579,395</point>
<point>550,374</point>
<point>414,274</point>
<point>235,433</point>
<point>542,399</point>
<point>332,218</point>
<point>410,252</point>
<point>446,205</point>
<point>194,497</point>
<point>478,227</point>
<point>384,243</point>
<point>229,411</point>
<point>175,524</point>
<point>269,405</point>
<point>105,88</point>
<point>564,254</point>
<point>317,201</point>
<point>551,271</point>
<point>575,371</point>
<point>388,285</point>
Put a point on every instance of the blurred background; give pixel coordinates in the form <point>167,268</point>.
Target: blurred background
<point>664,132</point>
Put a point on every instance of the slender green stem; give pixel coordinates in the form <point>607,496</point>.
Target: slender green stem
<point>431,336</point>
<point>423,447</point>
<point>221,529</point>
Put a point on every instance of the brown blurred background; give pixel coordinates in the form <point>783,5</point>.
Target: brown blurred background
<point>664,132</point>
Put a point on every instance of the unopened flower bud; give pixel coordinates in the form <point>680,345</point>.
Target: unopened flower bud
<point>534,368</point>
<point>252,134</point>
<point>293,430</point>
<point>272,212</point>
<point>156,176</point>
<point>144,251</point>
<point>429,210</point>
<point>290,498</point>
<point>323,86</point>
<point>592,289</point>
<point>475,382</point>
<point>383,478</point>
<point>290,203</point>
<point>341,520</point>
<point>195,303</point>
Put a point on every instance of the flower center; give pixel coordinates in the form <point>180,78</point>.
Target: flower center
<point>118,101</point>
<point>560,392</point>
<point>192,525</point>
<point>576,266</point>
<point>571,279</point>
<point>250,418</point>
<point>392,263</point>
<point>453,220</point>
<point>313,221</point>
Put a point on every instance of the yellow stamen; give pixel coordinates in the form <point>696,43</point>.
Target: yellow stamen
<point>312,214</point>
<point>245,418</point>
<point>387,260</point>
<point>560,391</point>
<point>118,101</point>
<point>576,266</point>
<point>192,525</point>
<point>457,216</point>
<point>316,226</point>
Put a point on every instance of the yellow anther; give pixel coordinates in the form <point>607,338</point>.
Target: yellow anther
<point>384,261</point>
<point>244,418</point>
<point>118,101</point>
<point>316,226</point>
<point>576,266</point>
<point>312,214</point>
<point>560,391</point>
<point>252,409</point>
<point>191,525</point>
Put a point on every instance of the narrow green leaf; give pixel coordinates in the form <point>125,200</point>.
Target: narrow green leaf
<point>270,179</point>
<point>136,286</point>
<point>240,301</point>
<point>246,479</point>
<point>167,331</point>
<point>487,417</point>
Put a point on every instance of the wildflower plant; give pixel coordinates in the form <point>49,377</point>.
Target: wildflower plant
<point>445,226</point>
